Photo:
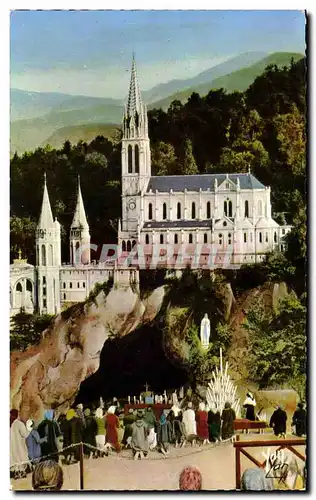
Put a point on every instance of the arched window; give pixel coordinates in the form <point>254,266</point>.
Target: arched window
<point>123,246</point>
<point>175,239</point>
<point>245,237</point>
<point>44,280</point>
<point>275,237</point>
<point>267,238</point>
<point>193,211</point>
<point>64,285</point>
<point>190,238</point>
<point>246,208</point>
<point>43,255</point>
<point>133,243</point>
<point>205,237</point>
<point>137,159</point>
<point>29,286</point>
<point>130,159</point>
<point>230,209</point>
<point>128,246</point>
<point>260,237</point>
<point>70,285</point>
<point>229,239</point>
<point>150,211</point>
<point>259,207</point>
<point>78,285</point>
<point>179,211</point>
<point>164,211</point>
<point>220,239</point>
<point>64,296</point>
<point>51,255</point>
<point>208,210</point>
<point>19,287</point>
<point>161,239</point>
<point>83,285</point>
<point>225,207</point>
<point>147,239</point>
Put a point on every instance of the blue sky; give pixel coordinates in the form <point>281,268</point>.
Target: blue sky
<point>89,52</point>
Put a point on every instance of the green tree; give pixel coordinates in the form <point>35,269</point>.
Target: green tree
<point>163,159</point>
<point>22,234</point>
<point>189,163</point>
<point>277,345</point>
<point>26,329</point>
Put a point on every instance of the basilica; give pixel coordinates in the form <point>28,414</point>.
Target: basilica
<point>218,213</point>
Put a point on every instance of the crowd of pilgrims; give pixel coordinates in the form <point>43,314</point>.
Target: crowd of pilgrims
<point>138,430</point>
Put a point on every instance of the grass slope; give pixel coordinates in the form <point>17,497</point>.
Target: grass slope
<point>237,80</point>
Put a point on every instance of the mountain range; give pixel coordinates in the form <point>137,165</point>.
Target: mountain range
<point>39,118</point>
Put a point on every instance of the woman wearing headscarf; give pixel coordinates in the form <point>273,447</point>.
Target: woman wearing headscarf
<point>139,442</point>
<point>228,417</point>
<point>249,405</point>
<point>128,421</point>
<point>201,424</point>
<point>76,432</point>
<point>33,441</point>
<point>189,420</point>
<point>89,433</point>
<point>100,436</point>
<point>50,429</point>
<point>80,414</point>
<point>18,448</point>
<point>111,425</point>
<point>164,434</point>
<point>255,479</point>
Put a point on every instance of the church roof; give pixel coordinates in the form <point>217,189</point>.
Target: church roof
<point>80,219</point>
<point>46,217</point>
<point>134,102</point>
<point>179,183</point>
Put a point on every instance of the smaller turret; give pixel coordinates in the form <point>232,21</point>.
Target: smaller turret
<point>79,233</point>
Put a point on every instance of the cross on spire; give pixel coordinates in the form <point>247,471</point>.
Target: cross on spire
<point>134,102</point>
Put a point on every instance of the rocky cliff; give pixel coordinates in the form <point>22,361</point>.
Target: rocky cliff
<point>112,345</point>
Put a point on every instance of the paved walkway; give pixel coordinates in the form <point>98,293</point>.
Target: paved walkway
<point>121,472</point>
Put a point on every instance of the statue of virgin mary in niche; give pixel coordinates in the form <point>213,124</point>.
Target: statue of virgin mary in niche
<point>205,331</point>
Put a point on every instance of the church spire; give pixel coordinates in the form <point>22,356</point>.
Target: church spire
<point>46,218</point>
<point>134,102</point>
<point>80,219</point>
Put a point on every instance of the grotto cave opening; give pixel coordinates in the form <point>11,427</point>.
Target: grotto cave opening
<point>128,362</point>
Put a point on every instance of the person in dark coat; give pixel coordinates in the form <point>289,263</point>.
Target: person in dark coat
<point>278,422</point>
<point>128,421</point>
<point>139,442</point>
<point>89,433</point>
<point>228,417</point>
<point>49,428</point>
<point>171,420</point>
<point>75,433</point>
<point>179,430</point>
<point>150,418</point>
<point>214,425</point>
<point>299,420</point>
<point>164,434</point>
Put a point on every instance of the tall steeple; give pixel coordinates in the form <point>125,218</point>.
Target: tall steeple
<point>134,102</point>
<point>79,233</point>
<point>46,218</point>
<point>135,123</point>
<point>80,219</point>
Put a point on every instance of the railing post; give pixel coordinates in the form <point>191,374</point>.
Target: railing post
<point>237,464</point>
<point>81,465</point>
